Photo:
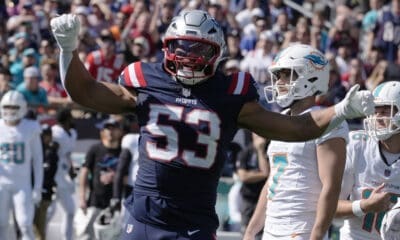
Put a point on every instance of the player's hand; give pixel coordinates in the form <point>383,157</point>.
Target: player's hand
<point>65,29</point>
<point>378,201</point>
<point>356,104</point>
<point>36,196</point>
<point>83,206</point>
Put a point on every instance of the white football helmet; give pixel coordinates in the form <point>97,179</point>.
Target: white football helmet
<point>390,228</point>
<point>383,127</point>
<point>308,64</point>
<point>193,46</point>
<point>107,225</point>
<point>13,106</point>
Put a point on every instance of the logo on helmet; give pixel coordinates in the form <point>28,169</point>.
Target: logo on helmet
<point>317,60</point>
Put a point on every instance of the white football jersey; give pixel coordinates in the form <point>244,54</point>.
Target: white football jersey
<point>366,170</point>
<point>66,146</point>
<point>20,147</point>
<point>131,141</point>
<point>294,184</point>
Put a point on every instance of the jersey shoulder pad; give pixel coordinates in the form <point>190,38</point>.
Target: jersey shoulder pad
<point>240,83</point>
<point>133,76</point>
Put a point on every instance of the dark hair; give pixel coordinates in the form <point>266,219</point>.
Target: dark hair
<point>5,71</point>
<point>64,115</point>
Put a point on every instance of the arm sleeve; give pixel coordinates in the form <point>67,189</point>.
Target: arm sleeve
<point>37,158</point>
<point>122,171</point>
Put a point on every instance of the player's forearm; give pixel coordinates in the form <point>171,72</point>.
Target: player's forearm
<point>76,79</point>
<point>83,182</point>
<point>257,221</point>
<point>344,209</point>
<point>326,207</point>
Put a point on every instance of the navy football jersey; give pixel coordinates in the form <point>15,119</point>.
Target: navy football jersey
<point>184,134</point>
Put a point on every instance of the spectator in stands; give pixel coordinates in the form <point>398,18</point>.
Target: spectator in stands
<point>65,135</point>
<point>138,49</point>
<point>105,64</point>
<point>281,26</point>
<point>318,33</point>
<point>300,34</point>
<point>278,6</point>
<point>5,81</point>
<point>142,29</point>
<point>257,61</point>
<point>355,74</point>
<point>340,35</point>
<point>386,34</point>
<point>50,162</point>
<point>34,94</point>
<point>233,44</point>
<point>56,94</point>
<point>26,59</point>
<point>47,51</point>
<point>100,17</point>
<point>246,15</point>
<point>252,168</point>
<point>377,76</point>
<point>100,163</point>
<point>249,40</point>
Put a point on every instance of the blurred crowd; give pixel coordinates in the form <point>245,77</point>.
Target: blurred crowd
<point>360,38</point>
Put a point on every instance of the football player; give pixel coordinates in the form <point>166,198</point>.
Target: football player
<point>299,199</point>
<point>371,180</point>
<point>20,152</point>
<point>65,135</point>
<point>188,113</point>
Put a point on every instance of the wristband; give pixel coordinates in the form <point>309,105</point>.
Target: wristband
<point>356,208</point>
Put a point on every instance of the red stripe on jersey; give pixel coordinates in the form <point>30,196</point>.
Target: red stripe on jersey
<point>139,74</point>
<point>234,83</point>
<point>246,84</point>
<point>127,77</point>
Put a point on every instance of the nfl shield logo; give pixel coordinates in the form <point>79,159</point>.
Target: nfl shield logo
<point>186,92</point>
<point>387,172</point>
<point>129,228</point>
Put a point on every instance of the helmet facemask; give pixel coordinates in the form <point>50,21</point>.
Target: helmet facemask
<point>193,46</point>
<point>190,60</point>
<point>282,94</point>
<point>383,127</point>
<point>13,107</point>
